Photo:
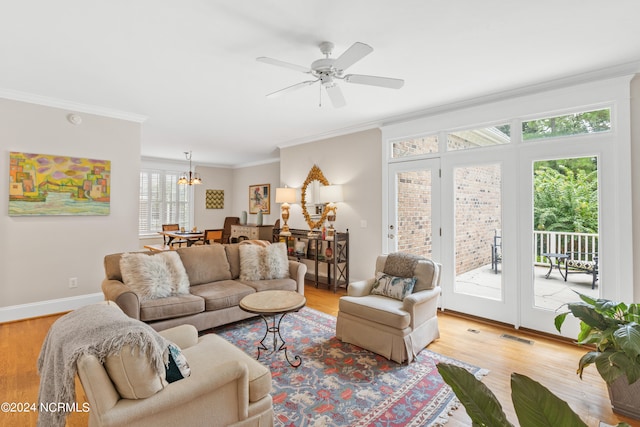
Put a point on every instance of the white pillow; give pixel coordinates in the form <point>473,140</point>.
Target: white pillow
<point>154,276</point>
<point>263,263</point>
<point>175,267</point>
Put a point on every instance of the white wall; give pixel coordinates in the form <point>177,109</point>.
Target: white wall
<point>213,179</point>
<point>41,253</point>
<point>268,173</point>
<point>354,162</point>
<point>635,181</point>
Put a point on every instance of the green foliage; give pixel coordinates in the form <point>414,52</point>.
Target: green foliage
<point>534,404</point>
<point>481,404</point>
<point>571,124</point>
<point>566,195</point>
<point>614,329</point>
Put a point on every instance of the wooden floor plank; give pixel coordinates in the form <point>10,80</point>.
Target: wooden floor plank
<point>547,361</point>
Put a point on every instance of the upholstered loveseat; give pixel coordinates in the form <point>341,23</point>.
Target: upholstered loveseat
<point>217,280</point>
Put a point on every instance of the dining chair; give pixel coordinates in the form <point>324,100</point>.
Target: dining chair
<point>174,242</point>
<point>226,229</point>
<point>214,235</point>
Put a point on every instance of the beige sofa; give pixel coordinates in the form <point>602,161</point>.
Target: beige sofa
<point>214,293</point>
<point>226,387</point>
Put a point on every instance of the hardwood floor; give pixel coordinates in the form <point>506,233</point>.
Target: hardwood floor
<point>547,361</point>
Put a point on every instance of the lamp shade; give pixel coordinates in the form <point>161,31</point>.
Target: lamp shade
<point>285,195</point>
<point>331,194</point>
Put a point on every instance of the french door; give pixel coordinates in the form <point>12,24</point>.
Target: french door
<point>500,259</point>
<point>478,238</point>
<point>452,213</point>
<point>414,208</point>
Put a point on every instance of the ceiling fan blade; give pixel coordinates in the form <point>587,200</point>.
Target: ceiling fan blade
<point>374,81</point>
<point>279,63</point>
<point>336,96</point>
<point>291,88</point>
<point>355,53</point>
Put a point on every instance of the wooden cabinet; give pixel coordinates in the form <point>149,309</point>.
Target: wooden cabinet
<point>251,232</point>
<point>331,255</point>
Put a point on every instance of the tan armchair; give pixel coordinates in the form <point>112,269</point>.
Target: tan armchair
<point>395,329</point>
<point>226,388</point>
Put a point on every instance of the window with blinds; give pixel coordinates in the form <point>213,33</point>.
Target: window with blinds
<point>163,201</point>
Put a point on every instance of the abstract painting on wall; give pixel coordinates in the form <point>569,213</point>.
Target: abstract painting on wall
<point>214,199</point>
<point>44,184</point>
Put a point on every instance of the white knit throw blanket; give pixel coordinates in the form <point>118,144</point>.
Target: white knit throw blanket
<point>99,330</point>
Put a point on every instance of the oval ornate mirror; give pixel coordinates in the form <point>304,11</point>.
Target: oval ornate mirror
<point>315,175</point>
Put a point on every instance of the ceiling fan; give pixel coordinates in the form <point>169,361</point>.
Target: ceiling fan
<point>327,70</point>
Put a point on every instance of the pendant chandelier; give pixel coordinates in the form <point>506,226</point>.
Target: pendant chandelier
<point>189,178</point>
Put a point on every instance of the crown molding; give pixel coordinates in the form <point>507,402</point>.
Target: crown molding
<point>620,70</point>
<point>627,69</point>
<point>70,105</point>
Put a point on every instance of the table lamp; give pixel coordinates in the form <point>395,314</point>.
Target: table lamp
<point>331,194</point>
<point>285,196</point>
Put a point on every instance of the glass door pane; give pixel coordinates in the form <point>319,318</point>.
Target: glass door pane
<point>565,230</point>
<point>478,231</point>
<point>414,191</point>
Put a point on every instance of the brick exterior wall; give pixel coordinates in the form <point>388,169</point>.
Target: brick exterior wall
<point>478,205</point>
<point>477,214</point>
<point>414,213</point>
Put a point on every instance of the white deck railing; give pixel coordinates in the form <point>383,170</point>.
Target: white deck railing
<point>562,242</point>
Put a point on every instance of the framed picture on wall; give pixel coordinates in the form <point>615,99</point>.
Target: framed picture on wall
<point>259,198</point>
<point>48,184</point>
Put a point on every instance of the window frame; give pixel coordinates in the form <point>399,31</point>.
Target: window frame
<point>169,210</point>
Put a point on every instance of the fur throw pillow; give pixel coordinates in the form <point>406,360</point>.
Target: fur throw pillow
<point>263,263</point>
<point>154,276</point>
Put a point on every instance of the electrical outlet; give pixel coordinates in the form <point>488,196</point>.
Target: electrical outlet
<point>73,282</point>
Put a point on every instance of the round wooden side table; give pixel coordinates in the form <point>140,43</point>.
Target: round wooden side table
<point>274,304</point>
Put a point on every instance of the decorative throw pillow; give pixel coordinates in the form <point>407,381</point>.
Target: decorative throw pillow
<point>133,374</point>
<point>154,276</point>
<point>392,286</point>
<point>277,261</point>
<point>178,368</point>
<point>178,274</point>
<point>263,263</point>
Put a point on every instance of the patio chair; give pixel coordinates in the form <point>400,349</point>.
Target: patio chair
<point>496,250</point>
<point>582,262</point>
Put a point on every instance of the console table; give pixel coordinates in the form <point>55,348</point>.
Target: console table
<point>332,252</point>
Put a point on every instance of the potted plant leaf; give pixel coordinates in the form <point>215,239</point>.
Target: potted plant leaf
<point>534,404</point>
<point>613,329</point>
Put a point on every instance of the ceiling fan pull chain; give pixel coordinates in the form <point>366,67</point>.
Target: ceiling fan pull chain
<point>320,96</point>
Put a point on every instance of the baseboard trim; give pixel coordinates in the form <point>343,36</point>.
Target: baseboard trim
<point>44,308</point>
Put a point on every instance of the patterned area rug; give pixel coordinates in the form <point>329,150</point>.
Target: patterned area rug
<point>340,384</point>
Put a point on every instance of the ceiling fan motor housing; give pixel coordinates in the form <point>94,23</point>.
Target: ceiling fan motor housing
<point>324,65</point>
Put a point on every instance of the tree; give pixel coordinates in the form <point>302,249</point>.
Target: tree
<point>566,195</point>
<point>571,124</point>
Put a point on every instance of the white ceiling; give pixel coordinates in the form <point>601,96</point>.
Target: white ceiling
<point>190,66</point>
